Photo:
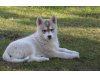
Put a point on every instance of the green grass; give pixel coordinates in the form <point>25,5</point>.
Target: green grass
<point>79,30</point>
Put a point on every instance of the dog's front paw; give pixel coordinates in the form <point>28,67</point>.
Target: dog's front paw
<point>75,52</point>
<point>76,56</point>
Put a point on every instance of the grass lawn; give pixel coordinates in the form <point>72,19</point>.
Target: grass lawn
<point>79,30</point>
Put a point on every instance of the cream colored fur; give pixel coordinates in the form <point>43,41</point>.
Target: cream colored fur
<point>37,47</point>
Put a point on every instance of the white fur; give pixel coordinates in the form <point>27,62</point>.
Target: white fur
<point>36,47</point>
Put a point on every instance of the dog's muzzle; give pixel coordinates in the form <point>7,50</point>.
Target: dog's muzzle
<point>49,37</point>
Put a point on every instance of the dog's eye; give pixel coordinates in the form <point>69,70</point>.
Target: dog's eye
<point>52,30</point>
<point>43,31</point>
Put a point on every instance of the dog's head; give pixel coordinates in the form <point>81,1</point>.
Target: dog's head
<point>47,28</point>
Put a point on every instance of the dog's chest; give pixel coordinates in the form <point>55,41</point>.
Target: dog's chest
<point>45,47</point>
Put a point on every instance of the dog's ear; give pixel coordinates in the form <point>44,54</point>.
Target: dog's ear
<point>54,19</point>
<point>39,20</point>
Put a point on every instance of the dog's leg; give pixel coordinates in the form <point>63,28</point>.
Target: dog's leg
<point>38,59</point>
<point>64,55</point>
<point>68,51</point>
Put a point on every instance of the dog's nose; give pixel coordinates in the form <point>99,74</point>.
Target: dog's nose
<point>49,37</point>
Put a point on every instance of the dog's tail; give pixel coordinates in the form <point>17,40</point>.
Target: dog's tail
<point>7,58</point>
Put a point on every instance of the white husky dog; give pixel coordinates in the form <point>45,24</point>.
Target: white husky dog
<point>40,46</point>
